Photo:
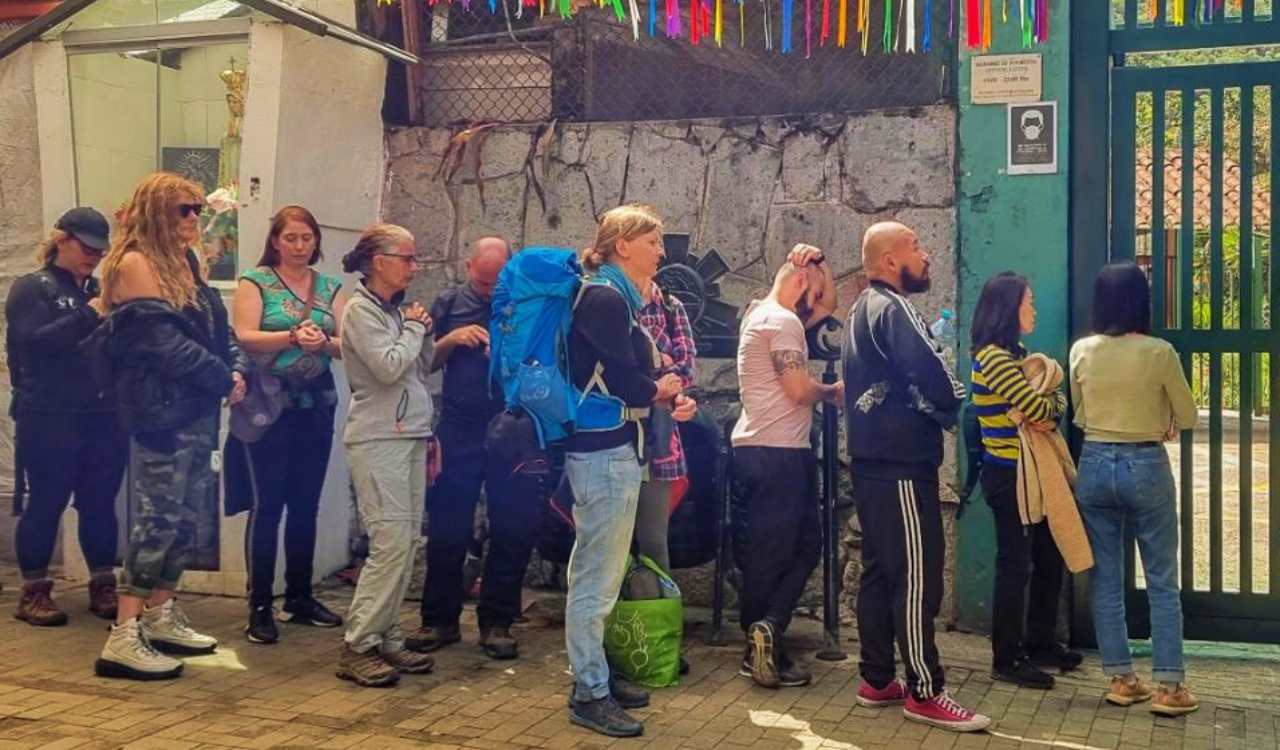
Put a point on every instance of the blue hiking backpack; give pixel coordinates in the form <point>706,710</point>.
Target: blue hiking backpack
<point>533,303</point>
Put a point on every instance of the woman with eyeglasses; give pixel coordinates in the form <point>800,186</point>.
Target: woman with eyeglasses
<point>169,355</point>
<point>67,437</point>
<point>287,316</point>
<point>387,351</point>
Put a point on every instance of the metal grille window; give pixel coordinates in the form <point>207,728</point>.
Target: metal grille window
<point>510,65</point>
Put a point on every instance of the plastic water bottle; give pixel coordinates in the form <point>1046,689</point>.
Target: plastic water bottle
<point>944,332</point>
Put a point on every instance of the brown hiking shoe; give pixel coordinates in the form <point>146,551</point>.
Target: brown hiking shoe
<point>1127,690</point>
<point>367,669</point>
<point>36,605</point>
<point>498,643</point>
<point>405,661</point>
<point>1174,701</point>
<point>102,596</point>
<point>429,638</point>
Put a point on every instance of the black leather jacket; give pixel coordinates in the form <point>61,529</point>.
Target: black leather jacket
<point>164,370</point>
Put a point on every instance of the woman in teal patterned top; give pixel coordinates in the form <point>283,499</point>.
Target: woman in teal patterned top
<point>286,467</point>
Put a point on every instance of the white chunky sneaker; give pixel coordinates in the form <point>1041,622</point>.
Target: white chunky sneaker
<point>167,629</point>
<point>129,655</point>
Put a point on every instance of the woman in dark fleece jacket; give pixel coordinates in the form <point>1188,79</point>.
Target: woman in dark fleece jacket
<point>168,355</point>
<point>605,467</point>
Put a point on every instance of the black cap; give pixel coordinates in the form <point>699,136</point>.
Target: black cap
<point>88,226</point>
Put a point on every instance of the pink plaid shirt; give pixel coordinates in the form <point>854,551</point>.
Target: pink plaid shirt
<point>669,325</point>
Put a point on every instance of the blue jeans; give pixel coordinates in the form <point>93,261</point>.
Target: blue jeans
<point>1131,483</point>
<point>606,489</point>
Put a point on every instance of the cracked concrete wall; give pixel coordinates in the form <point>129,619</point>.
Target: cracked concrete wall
<point>750,189</point>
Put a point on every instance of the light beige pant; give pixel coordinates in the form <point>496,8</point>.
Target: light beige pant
<point>390,478</point>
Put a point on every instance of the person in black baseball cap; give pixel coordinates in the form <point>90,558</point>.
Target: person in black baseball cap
<point>68,438</point>
<point>88,226</point>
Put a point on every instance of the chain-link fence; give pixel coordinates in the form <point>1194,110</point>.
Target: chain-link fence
<point>511,65</point>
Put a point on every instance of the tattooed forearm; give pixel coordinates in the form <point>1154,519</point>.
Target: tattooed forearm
<point>788,360</point>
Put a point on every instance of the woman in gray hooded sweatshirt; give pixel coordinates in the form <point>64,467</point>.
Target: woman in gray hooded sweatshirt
<point>388,353</point>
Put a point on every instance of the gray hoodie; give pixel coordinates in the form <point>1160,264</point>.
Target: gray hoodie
<point>387,360</point>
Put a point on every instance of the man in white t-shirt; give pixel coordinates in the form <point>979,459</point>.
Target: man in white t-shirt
<point>773,461</point>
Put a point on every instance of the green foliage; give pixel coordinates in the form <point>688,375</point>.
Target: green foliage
<point>1174,108</point>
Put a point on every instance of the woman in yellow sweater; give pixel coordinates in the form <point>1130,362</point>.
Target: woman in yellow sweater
<point>1130,395</point>
<point>1021,646</point>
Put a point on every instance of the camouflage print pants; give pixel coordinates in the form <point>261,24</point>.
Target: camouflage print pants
<point>167,491</point>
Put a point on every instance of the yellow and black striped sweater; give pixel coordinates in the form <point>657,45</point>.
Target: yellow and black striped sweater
<point>998,384</point>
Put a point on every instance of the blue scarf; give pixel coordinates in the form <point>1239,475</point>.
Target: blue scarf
<point>614,277</point>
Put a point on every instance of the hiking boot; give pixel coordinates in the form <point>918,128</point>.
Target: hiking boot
<point>893,694</point>
<point>308,611</point>
<point>1055,656</point>
<point>1023,672</point>
<point>498,643</point>
<point>366,670</point>
<point>429,638</point>
<point>604,716</point>
<point>129,655</point>
<point>943,712</point>
<point>102,596</point>
<point>262,625</point>
<point>1126,690</point>
<point>36,606</point>
<point>405,661</point>
<point>167,629</point>
<point>764,670</point>
<point>1174,701</point>
<point>684,666</point>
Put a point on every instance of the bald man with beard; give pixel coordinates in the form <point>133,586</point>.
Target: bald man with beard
<point>899,396</point>
<point>461,316</point>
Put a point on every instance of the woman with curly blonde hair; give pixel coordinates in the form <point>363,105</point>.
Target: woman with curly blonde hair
<point>169,356</point>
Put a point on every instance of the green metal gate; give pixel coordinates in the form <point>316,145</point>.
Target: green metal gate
<point>1193,179</point>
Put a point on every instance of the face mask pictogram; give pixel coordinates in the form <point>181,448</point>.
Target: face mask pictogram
<point>1032,124</point>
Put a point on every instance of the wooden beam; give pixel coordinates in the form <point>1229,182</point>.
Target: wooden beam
<point>413,44</point>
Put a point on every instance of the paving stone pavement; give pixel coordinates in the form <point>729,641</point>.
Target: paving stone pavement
<point>285,696</point>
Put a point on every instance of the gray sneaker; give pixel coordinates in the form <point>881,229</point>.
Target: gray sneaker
<point>167,629</point>
<point>604,716</point>
<point>129,655</point>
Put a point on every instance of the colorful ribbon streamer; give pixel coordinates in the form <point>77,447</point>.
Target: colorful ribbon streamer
<point>888,25</point>
<point>911,23</point>
<point>788,10</point>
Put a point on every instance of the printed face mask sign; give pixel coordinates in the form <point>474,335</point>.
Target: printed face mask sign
<point>1033,138</point>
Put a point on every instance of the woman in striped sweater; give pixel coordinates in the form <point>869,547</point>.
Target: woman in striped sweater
<point>1020,647</point>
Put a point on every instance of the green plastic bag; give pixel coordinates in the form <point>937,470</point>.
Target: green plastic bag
<point>642,637</point>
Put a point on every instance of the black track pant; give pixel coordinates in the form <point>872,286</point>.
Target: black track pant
<point>901,591</point>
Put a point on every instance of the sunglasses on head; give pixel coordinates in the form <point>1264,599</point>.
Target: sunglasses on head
<point>188,209</point>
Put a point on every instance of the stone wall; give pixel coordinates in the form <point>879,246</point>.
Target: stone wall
<point>21,213</point>
<point>749,189</point>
